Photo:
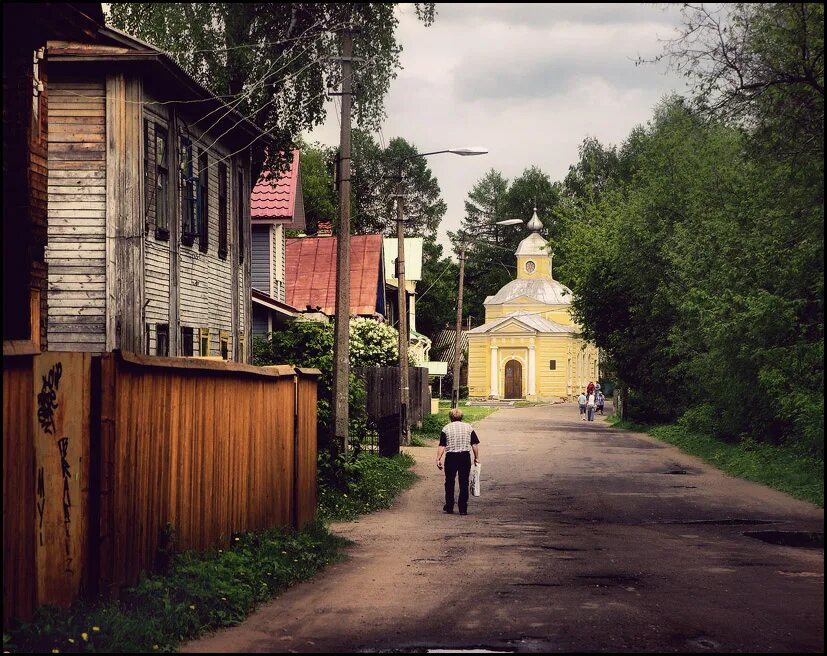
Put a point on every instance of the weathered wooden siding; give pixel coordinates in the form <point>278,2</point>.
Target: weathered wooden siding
<point>125,219</point>
<point>205,279</point>
<point>76,254</point>
<point>156,251</point>
<point>262,265</point>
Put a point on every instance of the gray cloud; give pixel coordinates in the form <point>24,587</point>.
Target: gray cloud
<point>543,15</point>
<point>522,78</point>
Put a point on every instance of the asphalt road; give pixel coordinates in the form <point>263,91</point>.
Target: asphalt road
<point>585,538</point>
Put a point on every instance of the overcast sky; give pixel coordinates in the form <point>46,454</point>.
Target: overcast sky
<point>527,81</point>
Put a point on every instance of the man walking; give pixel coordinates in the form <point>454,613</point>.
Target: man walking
<point>456,441</point>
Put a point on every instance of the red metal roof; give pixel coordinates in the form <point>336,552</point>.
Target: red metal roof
<point>276,199</point>
<point>311,273</point>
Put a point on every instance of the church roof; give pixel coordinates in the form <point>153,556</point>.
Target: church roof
<point>543,290</point>
<point>531,321</point>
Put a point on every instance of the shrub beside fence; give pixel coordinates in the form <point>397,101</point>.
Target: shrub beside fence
<point>177,454</point>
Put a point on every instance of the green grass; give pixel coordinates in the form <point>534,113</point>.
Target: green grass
<point>782,468</point>
<point>374,482</point>
<point>432,424</point>
<point>201,592</point>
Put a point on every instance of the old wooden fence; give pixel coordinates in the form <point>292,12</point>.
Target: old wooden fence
<point>109,463</point>
<point>382,385</point>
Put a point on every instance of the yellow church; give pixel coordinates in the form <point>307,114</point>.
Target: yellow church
<point>529,347</point>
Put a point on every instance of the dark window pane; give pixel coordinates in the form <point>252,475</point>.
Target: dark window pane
<point>222,210</point>
<point>203,197</point>
<point>186,341</point>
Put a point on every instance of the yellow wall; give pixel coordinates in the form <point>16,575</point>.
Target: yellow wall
<point>576,363</point>
<point>542,267</point>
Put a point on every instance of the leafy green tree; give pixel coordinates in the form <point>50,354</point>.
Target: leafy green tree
<point>276,62</point>
<point>436,299</point>
<point>317,183</point>
<point>375,174</point>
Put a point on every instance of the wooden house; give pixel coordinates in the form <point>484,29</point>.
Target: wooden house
<point>149,180</point>
<point>26,29</point>
<point>276,206</point>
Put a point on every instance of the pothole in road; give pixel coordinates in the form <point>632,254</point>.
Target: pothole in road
<point>677,472</point>
<point>606,580</point>
<point>716,522</point>
<point>803,539</point>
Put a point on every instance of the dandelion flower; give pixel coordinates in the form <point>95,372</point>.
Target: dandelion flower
<point>85,636</point>
<point>55,650</point>
<point>72,640</point>
<point>155,647</point>
<point>192,606</point>
<point>95,629</point>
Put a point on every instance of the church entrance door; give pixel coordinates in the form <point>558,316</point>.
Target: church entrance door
<point>513,379</point>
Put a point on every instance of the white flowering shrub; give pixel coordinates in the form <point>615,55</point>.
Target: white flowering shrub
<point>373,344</point>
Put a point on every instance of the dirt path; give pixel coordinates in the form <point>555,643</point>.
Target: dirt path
<point>583,540</point>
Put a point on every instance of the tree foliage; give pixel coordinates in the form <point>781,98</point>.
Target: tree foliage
<point>276,62</point>
<point>436,299</point>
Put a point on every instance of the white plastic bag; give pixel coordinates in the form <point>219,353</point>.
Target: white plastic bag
<point>475,480</point>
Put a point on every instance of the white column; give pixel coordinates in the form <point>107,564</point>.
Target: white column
<point>532,369</point>
<point>495,368</point>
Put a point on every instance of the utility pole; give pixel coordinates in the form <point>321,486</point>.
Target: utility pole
<point>404,391</point>
<point>341,345</point>
<point>458,336</point>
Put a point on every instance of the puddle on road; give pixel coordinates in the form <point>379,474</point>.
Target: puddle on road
<point>803,539</point>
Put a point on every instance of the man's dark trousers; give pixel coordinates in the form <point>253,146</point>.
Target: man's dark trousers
<point>457,463</point>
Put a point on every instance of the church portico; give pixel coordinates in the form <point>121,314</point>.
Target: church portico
<point>529,347</point>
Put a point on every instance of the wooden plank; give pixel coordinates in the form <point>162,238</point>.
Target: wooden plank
<point>79,176</point>
<point>77,167</point>
<point>70,194</point>
<point>61,419</point>
<point>19,484</point>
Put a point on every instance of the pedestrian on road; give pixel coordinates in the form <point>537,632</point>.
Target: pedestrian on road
<point>581,401</point>
<point>601,401</point>
<point>590,405</point>
<point>456,441</point>
<point>590,387</point>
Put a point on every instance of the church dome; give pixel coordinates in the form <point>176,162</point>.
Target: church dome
<point>543,290</point>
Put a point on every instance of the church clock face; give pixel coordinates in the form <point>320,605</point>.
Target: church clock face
<point>530,266</point>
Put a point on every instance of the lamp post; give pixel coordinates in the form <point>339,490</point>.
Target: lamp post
<point>458,334</point>
<point>404,391</point>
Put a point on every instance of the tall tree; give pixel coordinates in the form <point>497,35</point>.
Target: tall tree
<point>437,291</point>
<point>375,174</point>
<point>276,62</point>
<point>317,183</point>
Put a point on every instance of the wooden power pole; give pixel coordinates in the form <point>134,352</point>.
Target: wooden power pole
<point>341,345</point>
<point>404,391</point>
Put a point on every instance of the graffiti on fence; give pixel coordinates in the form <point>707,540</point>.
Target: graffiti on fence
<point>47,399</point>
<point>41,502</point>
<point>63,447</point>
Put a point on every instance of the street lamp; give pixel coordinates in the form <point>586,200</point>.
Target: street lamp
<point>404,391</point>
<point>458,334</point>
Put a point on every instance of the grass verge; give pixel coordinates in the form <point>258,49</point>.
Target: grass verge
<point>432,424</point>
<point>201,592</point>
<point>374,482</point>
<point>782,468</point>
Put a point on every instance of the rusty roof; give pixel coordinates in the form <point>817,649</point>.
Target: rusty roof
<point>311,274</point>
